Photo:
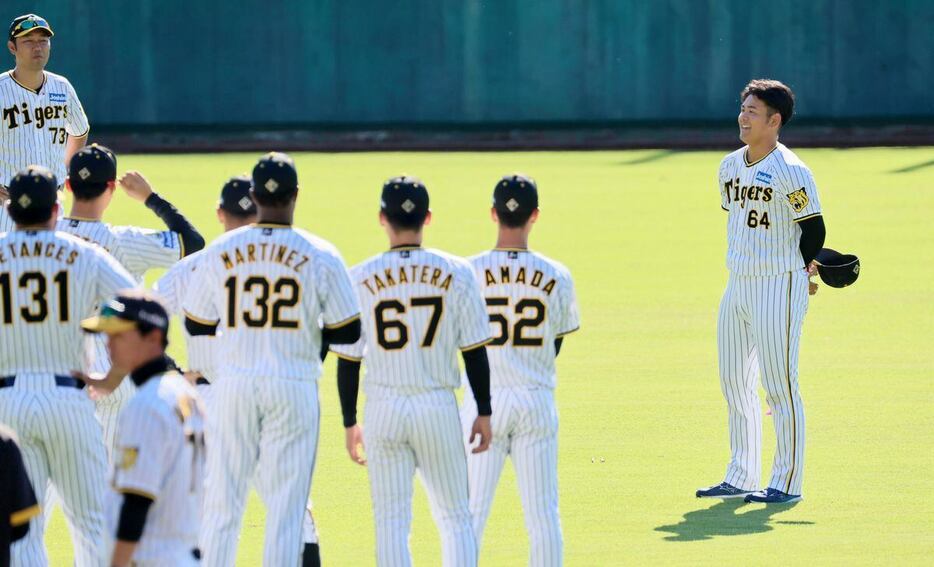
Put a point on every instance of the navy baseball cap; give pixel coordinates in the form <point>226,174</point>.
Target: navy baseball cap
<point>27,23</point>
<point>515,196</point>
<point>275,177</point>
<point>836,269</point>
<point>404,201</point>
<point>92,167</point>
<point>127,311</point>
<point>33,192</point>
<point>235,196</point>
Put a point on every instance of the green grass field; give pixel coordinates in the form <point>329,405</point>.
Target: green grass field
<point>643,423</point>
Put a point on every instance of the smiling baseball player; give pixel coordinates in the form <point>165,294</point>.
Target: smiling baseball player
<point>49,281</point>
<point>774,231</point>
<point>261,290</point>
<point>419,307</point>
<point>41,119</point>
<point>532,306</point>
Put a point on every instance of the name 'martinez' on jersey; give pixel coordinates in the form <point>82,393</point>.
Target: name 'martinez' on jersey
<point>267,286</point>
<point>765,200</point>
<point>418,307</point>
<point>35,125</point>
<point>531,302</point>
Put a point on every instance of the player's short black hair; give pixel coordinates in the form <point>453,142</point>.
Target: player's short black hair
<point>775,94</point>
<point>29,217</point>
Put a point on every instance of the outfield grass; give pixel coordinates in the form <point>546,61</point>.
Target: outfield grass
<point>643,423</point>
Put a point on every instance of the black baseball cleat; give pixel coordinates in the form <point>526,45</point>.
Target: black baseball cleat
<point>722,490</point>
<point>772,496</point>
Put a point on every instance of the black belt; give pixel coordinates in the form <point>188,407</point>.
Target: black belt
<point>63,381</point>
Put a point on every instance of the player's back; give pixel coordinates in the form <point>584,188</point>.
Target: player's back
<point>531,302</point>
<point>267,286</point>
<point>137,249</point>
<point>417,307</point>
<point>49,281</point>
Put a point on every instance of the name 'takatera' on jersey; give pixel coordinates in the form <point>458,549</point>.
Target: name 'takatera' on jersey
<point>419,306</point>
<point>35,125</point>
<point>766,200</point>
<point>531,302</point>
<point>267,286</point>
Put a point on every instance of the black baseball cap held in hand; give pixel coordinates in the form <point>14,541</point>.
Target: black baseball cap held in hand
<point>92,166</point>
<point>129,311</point>
<point>836,269</point>
<point>235,196</point>
<point>33,192</point>
<point>275,177</point>
<point>515,196</point>
<point>404,201</point>
<point>21,25</point>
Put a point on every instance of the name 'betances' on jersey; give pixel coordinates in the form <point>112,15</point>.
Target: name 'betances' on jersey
<point>18,114</point>
<point>59,252</point>
<point>263,252</point>
<point>509,274</point>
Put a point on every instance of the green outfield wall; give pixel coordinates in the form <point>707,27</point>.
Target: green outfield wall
<point>471,62</point>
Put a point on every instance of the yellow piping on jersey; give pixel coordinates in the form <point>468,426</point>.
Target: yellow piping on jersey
<point>347,357</point>
<point>19,518</point>
<point>807,217</point>
<point>477,345</point>
<point>137,492</point>
<point>746,153</point>
<point>200,320</point>
<point>33,91</point>
<point>559,335</point>
<point>343,323</point>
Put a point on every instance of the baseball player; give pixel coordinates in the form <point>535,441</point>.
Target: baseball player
<point>17,500</point>
<point>92,180</point>
<point>261,290</point>
<point>159,469</point>
<point>49,280</point>
<point>419,307</point>
<point>774,231</point>
<point>235,209</point>
<point>532,306</point>
<point>42,121</point>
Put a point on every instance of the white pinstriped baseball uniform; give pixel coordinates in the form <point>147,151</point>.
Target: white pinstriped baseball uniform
<point>762,311</point>
<point>160,455</point>
<point>138,250</point>
<point>34,128</point>
<point>48,281</point>
<point>266,286</point>
<point>531,302</point>
<point>419,307</point>
<point>173,288</point>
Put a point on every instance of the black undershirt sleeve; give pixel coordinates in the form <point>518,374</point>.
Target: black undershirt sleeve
<point>813,233</point>
<point>133,517</point>
<point>176,222</point>
<point>197,329</point>
<point>558,342</point>
<point>348,385</point>
<point>345,335</point>
<point>477,366</point>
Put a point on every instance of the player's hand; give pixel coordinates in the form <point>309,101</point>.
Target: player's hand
<point>482,429</point>
<point>812,271</point>
<point>353,439</point>
<point>96,386</point>
<point>136,186</point>
<point>4,194</point>
<point>812,288</point>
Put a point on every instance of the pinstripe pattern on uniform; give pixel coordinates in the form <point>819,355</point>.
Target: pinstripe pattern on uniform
<point>265,413</point>
<point>759,331</point>
<point>750,191</point>
<point>518,284</point>
<point>138,250</point>
<point>60,437</point>
<point>411,413</point>
<point>161,454</point>
<point>28,139</point>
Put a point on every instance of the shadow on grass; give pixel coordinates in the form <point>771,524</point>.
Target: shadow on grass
<point>915,167</point>
<point>654,156</point>
<point>723,519</point>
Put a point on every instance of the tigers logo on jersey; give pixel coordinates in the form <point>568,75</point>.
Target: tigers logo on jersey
<point>798,200</point>
<point>128,457</point>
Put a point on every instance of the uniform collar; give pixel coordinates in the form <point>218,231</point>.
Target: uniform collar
<point>158,365</point>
